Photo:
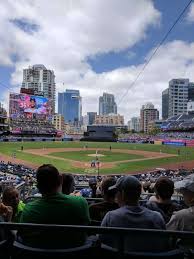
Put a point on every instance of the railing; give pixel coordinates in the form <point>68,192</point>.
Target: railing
<point>122,233</point>
<point>100,230</point>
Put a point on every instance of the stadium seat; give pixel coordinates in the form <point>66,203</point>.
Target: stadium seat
<point>173,254</point>
<point>105,251</point>
<point>23,251</point>
<point>5,248</point>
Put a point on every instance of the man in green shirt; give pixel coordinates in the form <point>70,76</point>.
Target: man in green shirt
<point>54,208</point>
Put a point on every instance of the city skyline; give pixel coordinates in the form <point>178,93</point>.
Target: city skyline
<point>97,56</point>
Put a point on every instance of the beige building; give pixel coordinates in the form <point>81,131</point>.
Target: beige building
<point>58,122</point>
<point>110,119</point>
<point>147,113</point>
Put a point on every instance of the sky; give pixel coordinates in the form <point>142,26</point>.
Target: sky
<point>97,46</point>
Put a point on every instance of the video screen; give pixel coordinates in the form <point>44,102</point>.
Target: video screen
<point>24,105</point>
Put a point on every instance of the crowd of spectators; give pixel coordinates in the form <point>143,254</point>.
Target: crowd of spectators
<point>136,138</point>
<point>175,135</point>
<point>64,200</point>
<point>32,126</point>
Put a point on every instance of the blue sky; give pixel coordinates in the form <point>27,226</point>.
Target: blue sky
<point>97,55</point>
<point>170,11</point>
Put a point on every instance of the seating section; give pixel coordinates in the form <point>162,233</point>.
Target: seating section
<point>94,249</point>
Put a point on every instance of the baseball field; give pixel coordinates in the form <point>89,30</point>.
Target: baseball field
<point>109,158</point>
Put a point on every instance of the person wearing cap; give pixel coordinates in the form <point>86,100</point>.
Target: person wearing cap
<point>131,215</point>
<point>183,220</point>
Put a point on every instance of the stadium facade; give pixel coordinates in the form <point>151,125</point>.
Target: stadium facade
<point>100,133</point>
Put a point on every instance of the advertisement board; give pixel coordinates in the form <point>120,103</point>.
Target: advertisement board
<point>175,143</point>
<point>24,105</point>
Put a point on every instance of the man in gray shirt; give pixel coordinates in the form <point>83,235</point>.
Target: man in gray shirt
<point>183,220</point>
<point>132,215</point>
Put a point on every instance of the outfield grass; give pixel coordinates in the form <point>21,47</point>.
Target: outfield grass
<point>187,153</point>
<point>108,156</point>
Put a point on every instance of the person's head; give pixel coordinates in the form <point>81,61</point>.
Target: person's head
<point>32,102</point>
<point>93,184</point>
<point>164,188</point>
<point>186,187</point>
<point>49,180</point>
<point>128,190</point>
<point>106,183</point>
<point>68,183</point>
<point>11,197</point>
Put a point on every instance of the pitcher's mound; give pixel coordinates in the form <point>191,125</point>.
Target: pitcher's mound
<point>94,155</point>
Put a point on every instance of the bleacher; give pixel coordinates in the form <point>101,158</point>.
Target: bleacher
<point>182,122</point>
<point>32,127</point>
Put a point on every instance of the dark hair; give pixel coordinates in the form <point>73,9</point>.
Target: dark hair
<point>48,178</point>
<point>32,99</point>
<point>6,193</point>
<point>68,183</point>
<point>164,187</point>
<point>8,199</point>
<point>106,183</point>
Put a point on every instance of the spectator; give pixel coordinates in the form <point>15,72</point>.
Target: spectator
<point>164,189</point>
<point>54,208</point>
<point>183,220</point>
<point>91,191</point>
<point>68,184</point>
<point>98,210</point>
<point>6,213</point>
<point>131,215</point>
<point>11,198</point>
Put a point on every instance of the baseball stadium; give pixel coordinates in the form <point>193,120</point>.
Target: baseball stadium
<point>113,178</point>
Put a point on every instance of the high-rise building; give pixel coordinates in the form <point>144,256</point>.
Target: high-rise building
<point>107,104</point>
<point>42,81</point>
<point>91,117</point>
<point>178,96</point>
<point>165,103</point>
<point>134,124</point>
<point>109,119</point>
<point>70,106</point>
<point>147,113</point>
<point>3,119</point>
<point>191,92</point>
<point>58,122</point>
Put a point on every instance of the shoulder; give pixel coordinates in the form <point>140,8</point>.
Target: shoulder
<point>151,213</point>
<point>151,205</point>
<point>31,205</point>
<point>114,213</point>
<point>183,213</point>
<point>76,199</point>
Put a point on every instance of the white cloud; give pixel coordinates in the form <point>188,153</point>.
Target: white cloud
<point>190,16</point>
<point>72,30</point>
<point>174,60</point>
